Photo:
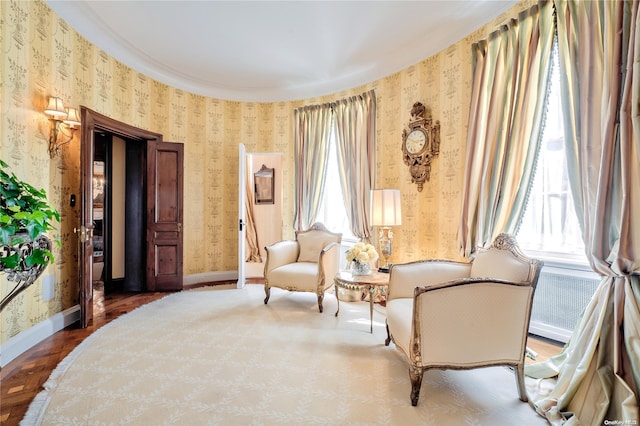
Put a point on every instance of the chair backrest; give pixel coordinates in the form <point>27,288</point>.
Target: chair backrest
<point>405,277</point>
<point>504,260</point>
<point>313,240</point>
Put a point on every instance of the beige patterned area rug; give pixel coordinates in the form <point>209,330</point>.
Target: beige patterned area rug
<point>220,356</point>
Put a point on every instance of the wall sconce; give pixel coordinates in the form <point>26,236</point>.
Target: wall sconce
<point>63,121</point>
<point>386,212</point>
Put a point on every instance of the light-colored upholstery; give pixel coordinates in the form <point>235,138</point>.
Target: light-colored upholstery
<point>307,264</point>
<point>454,315</point>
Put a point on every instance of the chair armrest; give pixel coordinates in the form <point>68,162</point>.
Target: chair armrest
<point>469,281</point>
<point>330,262</point>
<point>405,277</point>
<point>280,253</point>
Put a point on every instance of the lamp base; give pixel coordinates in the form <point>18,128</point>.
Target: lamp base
<point>385,241</point>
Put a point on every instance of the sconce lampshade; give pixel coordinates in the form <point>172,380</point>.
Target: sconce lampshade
<point>56,108</point>
<point>385,207</point>
<point>72,119</point>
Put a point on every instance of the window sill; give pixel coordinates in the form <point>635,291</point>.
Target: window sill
<point>560,260</point>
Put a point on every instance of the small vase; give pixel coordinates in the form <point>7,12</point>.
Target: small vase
<point>361,268</point>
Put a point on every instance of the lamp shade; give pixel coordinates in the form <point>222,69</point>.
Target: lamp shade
<point>385,207</point>
<point>72,119</point>
<point>55,108</point>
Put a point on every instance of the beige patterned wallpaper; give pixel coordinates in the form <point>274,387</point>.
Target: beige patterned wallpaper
<point>43,56</point>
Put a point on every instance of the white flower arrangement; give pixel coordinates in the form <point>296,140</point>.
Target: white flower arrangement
<point>362,253</point>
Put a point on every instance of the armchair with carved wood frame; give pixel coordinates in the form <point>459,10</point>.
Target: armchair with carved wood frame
<point>308,264</point>
<point>454,315</point>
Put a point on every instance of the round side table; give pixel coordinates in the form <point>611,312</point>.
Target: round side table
<point>377,281</point>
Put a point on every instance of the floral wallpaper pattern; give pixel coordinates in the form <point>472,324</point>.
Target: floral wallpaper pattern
<point>41,55</point>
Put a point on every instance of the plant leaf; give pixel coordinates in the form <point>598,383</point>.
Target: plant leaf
<point>10,262</point>
<point>39,257</point>
<point>5,234</point>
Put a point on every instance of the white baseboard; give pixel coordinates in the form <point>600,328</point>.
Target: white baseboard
<point>549,331</point>
<point>207,277</point>
<point>27,339</point>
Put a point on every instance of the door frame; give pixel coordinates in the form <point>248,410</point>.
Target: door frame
<point>244,176</point>
<point>93,121</point>
<point>242,212</point>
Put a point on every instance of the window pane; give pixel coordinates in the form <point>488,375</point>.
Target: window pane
<point>550,223</point>
<point>332,210</point>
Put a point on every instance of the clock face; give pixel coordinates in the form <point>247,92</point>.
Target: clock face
<point>415,141</point>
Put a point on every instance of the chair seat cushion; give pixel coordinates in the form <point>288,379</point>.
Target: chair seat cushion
<point>299,275</point>
<point>399,317</point>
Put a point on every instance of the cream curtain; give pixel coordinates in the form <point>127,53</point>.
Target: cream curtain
<point>251,234</point>
<point>355,120</point>
<point>598,372</point>
<point>311,150</point>
<point>511,70</point>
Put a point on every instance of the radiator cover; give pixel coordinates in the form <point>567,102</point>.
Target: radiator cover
<point>561,295</point>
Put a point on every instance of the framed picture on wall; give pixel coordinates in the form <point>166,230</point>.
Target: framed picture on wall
<point>264,185</point>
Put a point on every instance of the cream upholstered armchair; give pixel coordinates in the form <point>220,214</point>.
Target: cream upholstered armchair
<point>307,264</point>
<point>454,315</point>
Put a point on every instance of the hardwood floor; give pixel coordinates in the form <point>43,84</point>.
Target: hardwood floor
<point>22,379</point>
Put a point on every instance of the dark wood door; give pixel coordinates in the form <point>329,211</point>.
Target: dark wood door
<point>92,122</point>
<point>84,230</point>
<point>164,215</point>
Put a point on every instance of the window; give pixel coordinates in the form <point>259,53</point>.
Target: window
<point>550,226</point>
<point>550,231</point>
<point>333,213</point>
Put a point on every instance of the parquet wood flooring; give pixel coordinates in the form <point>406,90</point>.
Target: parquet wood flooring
<point>22,379</point>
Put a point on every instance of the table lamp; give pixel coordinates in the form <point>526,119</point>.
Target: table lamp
<point>385,213</point>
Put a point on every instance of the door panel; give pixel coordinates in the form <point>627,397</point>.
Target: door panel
<point>164,215</point>
<point>135,222</point>
<point>242,213</point>
<point>84,230</point>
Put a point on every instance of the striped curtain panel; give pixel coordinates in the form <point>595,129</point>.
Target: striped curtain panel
<point>355,120</point>
<point>510,79</point>
<point>598,372</point>
<point>312,128</point>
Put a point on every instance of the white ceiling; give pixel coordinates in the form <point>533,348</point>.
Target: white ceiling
<point>267,51</point>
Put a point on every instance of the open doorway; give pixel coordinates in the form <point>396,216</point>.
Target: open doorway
<point>118,218</point>
<point>118,213</point>
<point>152,207</point>
<point>263,202</point>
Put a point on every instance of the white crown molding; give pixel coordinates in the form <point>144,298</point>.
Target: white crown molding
<point>271,51</point>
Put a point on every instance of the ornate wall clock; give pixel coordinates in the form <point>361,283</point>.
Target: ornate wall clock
<point>420,143</point>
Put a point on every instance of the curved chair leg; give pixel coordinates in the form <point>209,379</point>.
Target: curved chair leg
<point>388,339</point>
<point>519,370</point>
<point>415,374</point>
<point>320,298</point>
<point>267,291</point>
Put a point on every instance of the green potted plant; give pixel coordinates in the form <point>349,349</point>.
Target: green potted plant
<point>24,211</point>
<point>25,218</point>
